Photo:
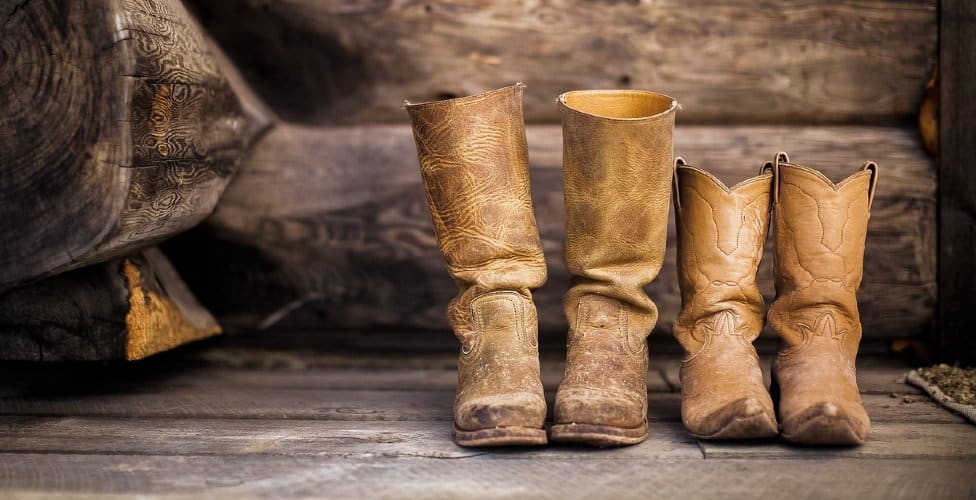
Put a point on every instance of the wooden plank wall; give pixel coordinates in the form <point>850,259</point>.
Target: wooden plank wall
<point>763,61</point>
<point>325,224</point>
<point>336,231</point>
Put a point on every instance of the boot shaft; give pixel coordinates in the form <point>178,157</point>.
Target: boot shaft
<point>474,164</point>
<point>721,234</point>
<point>820,230</point>
<point>617,156</point>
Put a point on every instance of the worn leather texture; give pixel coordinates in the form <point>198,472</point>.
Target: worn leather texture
<point>617,168</point>
<point>819,236</point>
<point>721,233</point>
<point>474,163</point>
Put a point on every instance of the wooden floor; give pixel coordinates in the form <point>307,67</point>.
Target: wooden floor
<point>233,418</point>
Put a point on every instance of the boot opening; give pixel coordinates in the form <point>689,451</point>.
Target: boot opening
<point>619,104</point>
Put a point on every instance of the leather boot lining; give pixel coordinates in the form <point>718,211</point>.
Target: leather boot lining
<point>619,104</point>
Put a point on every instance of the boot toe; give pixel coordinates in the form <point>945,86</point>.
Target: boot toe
<point>828,423</point>
<point>745,418</point>
<point>501,410</point>
<point>599,407</point>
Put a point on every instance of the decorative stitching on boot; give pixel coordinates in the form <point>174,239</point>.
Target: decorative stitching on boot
<point>517,312</point>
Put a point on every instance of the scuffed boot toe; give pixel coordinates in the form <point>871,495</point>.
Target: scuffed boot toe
<point>599,417</point>
<point>746,418</point>
<point>501,420</point>
<point>828,423</point>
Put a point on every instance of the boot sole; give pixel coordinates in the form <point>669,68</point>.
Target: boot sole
<point>500,436</point>
<point>752,427</point>
<point>601,436</point>
<point>825,430</point>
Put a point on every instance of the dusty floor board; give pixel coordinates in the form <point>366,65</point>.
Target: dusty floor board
<point>349,439</point>
<point>359,405</point>
<point>487,477</point>
<point>887,440</point>
<point>354,439</point>
<point>215,421</point>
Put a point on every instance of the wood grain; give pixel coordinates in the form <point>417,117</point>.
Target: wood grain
<point>221,420</point>
<point>888,441</point>
<point>118,131</point>
<point>357,405</point>
<point>361,440</point>
<point>327,227</point>
<point>214,368</point>
<point>795,61</point>
<point>348,439</point>
<point>482,476</point>
<point>123,309</point>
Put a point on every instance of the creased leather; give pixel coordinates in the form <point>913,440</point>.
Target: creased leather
<point>721,234</point>
<point>617,154</point>
<point>474,164</point>
<point>819,236</point>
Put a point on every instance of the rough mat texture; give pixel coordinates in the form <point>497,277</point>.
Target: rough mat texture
<point>952,390</point>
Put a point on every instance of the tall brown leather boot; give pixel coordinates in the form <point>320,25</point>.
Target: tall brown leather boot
<point>819,234</point>
<point>617,155</point>
<point>473,160</point>
<point>721,234</point>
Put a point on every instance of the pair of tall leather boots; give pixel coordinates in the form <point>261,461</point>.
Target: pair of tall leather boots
<point>618,170</point>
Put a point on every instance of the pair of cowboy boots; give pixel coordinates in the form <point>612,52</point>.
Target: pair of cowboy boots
<point>617,171</point>
<point>818,247</point>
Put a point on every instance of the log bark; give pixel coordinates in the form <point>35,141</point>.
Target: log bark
<point>125,309</point>
<point>766,61</point>
<point>117,131</point>
<point>327,227</point>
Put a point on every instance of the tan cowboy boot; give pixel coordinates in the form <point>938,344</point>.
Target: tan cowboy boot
<point>721,234</point>
<point>473,160</point>
<point>819,234</point>
<point>617,154</point>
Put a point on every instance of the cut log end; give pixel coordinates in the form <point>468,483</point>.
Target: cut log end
<point>119,129</point>
<point>156,322</point>
<point>125,309</point>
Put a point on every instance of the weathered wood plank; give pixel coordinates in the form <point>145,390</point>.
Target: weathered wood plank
<point>142,436</point>
<point>484,476</point>
<point>957,193</point>
<point>118,131</point>
<point>351,405</point>
<point>371,378</point>
<point>123,309</point>
<point>351,440</point>
<point>357,440</point>
<point>216,369</point>
<point>328,227</point>
<point>758,62</point>
<point>311,370</point>
<point>887,440</point>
